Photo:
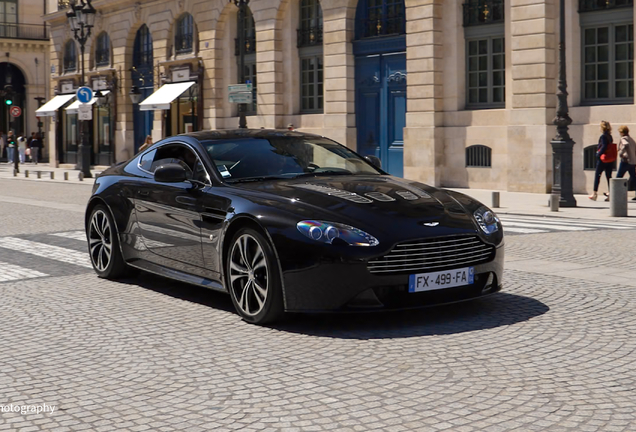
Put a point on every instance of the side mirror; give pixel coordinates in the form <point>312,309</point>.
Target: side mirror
<point>375,161</point>
<point>171,173</point>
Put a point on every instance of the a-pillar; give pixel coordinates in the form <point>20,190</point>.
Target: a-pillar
<point>339,71</point>
<point>424,134</point>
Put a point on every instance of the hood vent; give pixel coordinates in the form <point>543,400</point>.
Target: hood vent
<point>349,196</point>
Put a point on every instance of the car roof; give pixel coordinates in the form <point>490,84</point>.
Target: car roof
<point>247,133</point>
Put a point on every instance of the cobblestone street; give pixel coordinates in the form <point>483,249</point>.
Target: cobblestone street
<point>554,351</point>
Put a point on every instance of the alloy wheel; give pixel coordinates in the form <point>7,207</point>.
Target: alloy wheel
<point>249,280</point>
<point>100,239</point>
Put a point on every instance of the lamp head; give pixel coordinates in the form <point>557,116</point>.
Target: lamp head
<point>135,95</point>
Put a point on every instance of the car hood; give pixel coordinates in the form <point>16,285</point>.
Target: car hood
<point>379,203</point>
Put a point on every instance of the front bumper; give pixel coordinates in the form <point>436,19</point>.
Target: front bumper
<point>343,285</point>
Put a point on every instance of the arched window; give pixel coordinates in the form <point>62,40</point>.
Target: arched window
<point>184,34</point>
<point>143,48</point>
<point>249,32</point>
<point>70,57</point>
<point>478,156</point>
<point>381,18</point>
<point>102,50</point>
<point>311,57</point>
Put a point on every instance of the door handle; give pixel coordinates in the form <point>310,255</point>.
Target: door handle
<point>143,193</point>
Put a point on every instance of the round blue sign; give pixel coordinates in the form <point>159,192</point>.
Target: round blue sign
<point>84,94</point>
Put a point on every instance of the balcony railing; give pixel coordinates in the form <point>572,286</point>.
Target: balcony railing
<point>310,36</point>
<point>24,31</point>
<point>63,4</point>
<point>250,45</point>
<point>594,5</point>
<point>477,12</point>
<point>385,26</point>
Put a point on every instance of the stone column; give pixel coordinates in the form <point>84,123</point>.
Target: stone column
<point>423,134</point>
<point>339,72</point>
<point>269,68</point>
<point>533,90</point>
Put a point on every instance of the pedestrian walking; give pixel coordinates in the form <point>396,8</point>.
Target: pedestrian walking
<point>2,143</point>
<point>146,144</point>
<point>606,153</point>
<point>627,157</point>
<point>11,147</point>
<point>36,146</point>
<point>22,146</point>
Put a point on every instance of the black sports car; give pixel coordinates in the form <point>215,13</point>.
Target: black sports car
<point>288,221</point>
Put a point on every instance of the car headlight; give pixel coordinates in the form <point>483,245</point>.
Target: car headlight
<point>487,220</point>
<point>327,232</point>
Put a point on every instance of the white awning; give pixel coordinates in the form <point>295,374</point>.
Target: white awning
<point>167,93</point>
<point>49,108</point>
<point>74,107</point>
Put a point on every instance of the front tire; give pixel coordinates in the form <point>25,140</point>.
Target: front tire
<point>103,244</point>
<point>253,278</point>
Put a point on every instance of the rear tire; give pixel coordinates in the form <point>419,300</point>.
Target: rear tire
<point>253,278</point>
<point>103,244</point>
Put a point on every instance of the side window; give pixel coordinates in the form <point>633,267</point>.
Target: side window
<point>145,162</point>
<point>178,154</point>
<point>199,173</point>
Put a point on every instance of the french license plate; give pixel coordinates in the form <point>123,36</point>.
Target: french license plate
<point>441,279</point>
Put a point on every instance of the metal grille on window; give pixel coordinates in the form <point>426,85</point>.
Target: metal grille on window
<point>102,50</point>
<point>589,158</point>
<point>486,71</point>
<point>250,35</point>
<point>477,12</point>
<point>384,18</point>
<point>593,5</point>
<point>609,63</point>
<point>310,31</point>
<point>183,40</point>
<point>479,156</point>
<point>70,57</point>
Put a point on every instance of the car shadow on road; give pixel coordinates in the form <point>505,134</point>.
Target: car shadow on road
<point>498,310</point>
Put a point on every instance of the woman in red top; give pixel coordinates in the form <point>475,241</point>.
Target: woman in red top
<point>604,143</point>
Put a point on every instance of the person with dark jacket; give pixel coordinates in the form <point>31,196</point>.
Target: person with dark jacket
<point>36,147</point>
<point>12,147</point>
<point>602,163</point>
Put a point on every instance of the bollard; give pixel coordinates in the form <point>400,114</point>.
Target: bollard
<point>39,173</point>
<point>15,172</point>
<point>80,176</point>
<point>52,175</point>
<point>554,202</point>
<point>495,200</point>
<point>618,197</point>
<point>65,175</point>
<point>26,173</point>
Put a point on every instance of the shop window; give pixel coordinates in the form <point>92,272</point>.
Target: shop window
<point>70,57</point>
<point>184,34</point>
<point>381,18</point>
<point>102,50</point>
<point>479,156</point>
<point>310,52</point>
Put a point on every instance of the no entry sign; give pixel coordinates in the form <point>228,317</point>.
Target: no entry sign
<point>16,111</point>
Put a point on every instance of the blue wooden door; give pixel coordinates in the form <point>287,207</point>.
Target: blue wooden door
<point>381,108</point>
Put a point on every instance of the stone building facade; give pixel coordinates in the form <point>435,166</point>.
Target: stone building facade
<point>24,53</point>
<point>457,93</point>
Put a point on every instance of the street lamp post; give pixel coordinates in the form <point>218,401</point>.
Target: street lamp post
<point>242,13</point>
<point>562,144</point>
<point>81,17</point>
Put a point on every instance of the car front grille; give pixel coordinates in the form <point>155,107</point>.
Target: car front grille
<point>432,255</point>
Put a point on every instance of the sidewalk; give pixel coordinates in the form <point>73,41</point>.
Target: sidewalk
<point>45,169</point>
<point>510,202</point>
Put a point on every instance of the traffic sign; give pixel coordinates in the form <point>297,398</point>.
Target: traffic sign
<point>85,112</point>
<point>239,88</point>
<point>241,97</point>
<point>84,94</point>
<point>16,111</point>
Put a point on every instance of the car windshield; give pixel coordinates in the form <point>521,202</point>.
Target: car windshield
<point>284,157</point>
